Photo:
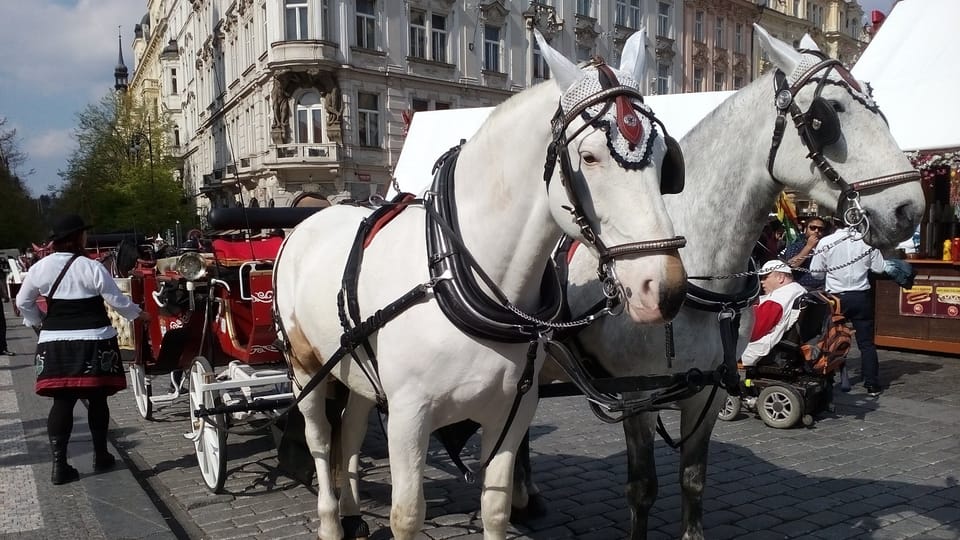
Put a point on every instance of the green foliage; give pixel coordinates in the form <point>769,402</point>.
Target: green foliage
<point>121,177</point>
<point>20,222</point>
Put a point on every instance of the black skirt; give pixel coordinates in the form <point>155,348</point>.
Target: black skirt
<point>79,365</point>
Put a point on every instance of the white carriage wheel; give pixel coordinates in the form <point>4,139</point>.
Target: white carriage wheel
<point>142,390</point>
<point>779,407</point>
<point>730,409</point>
<point>209,442</point>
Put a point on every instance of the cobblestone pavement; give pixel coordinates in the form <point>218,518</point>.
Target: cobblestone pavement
<point>874,468</point>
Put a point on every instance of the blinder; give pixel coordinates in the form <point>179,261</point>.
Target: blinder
<point>673,170</point>
<point>821,125</point>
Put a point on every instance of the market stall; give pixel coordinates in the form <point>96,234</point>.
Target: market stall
<point>911,67</point>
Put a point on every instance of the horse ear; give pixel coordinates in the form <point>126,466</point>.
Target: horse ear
<point>565,72</point>
<point>633,60</point>
<point>781,54</point>
<point>807,42</point>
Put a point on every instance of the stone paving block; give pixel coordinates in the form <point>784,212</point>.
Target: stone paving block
<point>758,522</point>
<point>797,528</point>
<point>723,532</point>
<point>839,531</point>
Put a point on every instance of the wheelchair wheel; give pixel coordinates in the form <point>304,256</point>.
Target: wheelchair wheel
<point>730,409</point>
<point>779,407</point>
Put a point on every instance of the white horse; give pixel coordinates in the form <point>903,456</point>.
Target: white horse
<point>732,182</point>
<point>429,371</point>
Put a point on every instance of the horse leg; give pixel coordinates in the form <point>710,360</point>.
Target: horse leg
<point>693,457</point>
<point>408,435</point>
<point>642,486</point>
<point>498,476</point>
<point>317,431</point>
<point>353,429</point>
<point>527,502</point>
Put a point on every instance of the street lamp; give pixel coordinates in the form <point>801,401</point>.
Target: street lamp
<point>136,142</point>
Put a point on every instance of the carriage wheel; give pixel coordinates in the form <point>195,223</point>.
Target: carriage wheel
<point>142,390</point>
<point>209,441</point>
<point>779,407</point>
<point>730,410</point>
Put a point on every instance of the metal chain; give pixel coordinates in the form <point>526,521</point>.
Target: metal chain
<point>747,273</point>
<point>572,324</point>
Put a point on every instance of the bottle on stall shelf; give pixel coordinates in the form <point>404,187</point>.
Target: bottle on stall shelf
<point>955,249</point>
<point>928,234</point>
<point>947,245</point>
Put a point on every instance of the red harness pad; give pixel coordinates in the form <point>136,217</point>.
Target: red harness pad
<point>257,249</point>
<point>387,217</point>
<point>573,249</point>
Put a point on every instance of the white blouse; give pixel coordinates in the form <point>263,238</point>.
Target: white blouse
<point>85,278</point>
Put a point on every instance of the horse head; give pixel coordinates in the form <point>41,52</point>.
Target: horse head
<point>841,153</point>
<point>615,157</point>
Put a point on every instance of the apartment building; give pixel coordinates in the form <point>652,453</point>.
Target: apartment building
<point>269,99</point>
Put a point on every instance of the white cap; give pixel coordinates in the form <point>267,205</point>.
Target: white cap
<point>774,265</point>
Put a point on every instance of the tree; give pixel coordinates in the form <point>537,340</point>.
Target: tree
<point>19,214</point>
<point>121,177</point>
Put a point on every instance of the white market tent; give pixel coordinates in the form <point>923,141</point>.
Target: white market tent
<point>432,133</point>
<point>913,66</point>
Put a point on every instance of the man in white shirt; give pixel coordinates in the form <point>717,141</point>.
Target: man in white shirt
<point>846,261</point>
<point>773,313</point>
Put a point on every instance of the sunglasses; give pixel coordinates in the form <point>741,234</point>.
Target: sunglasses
<point>815,227</point>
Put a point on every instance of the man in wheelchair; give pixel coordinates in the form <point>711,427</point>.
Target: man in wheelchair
<point>774,312</point>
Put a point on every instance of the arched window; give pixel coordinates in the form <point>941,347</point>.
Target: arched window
<point>310,118</point>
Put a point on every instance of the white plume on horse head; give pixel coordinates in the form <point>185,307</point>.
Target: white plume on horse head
<point>565,73</point>
<point>633,59</point>
<point>807,42</point>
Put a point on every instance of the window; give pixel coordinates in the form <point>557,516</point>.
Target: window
<point>264,34</point>
<point>418,34</point>
<point>584,7</point>
<point>366,24</point>
<point>698,79</point>
<point>718,79</point>
<point>796,8</point>
<point>296,21</point>
<point>541,71</point>
<point>420,105</point>
<point>436,29</point>
<point>737,82</point>
<point>628,13</point>
<point>584,53</point>
<point>176,136</point>
<point>368,119</point>
<point>173,81</point>
<point>718,34</point>
<point>738,38</point>
<point>325,19</point>
<point>663,19</point>
<point>309,118</point>
<point>441,106</point>
<point>698,27</point>
<point>491,48</point>
<point>249,45</point>
<point>663,79</point>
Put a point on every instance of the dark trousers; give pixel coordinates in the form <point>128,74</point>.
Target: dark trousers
<point>60,419</point>
<point>858,307</point>
<point>3,327</point>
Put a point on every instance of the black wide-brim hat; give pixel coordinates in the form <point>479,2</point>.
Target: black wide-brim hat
<point>67,225</point>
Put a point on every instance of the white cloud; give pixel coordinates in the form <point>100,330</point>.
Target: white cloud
<point>53,143</point>
<point>45,45</point>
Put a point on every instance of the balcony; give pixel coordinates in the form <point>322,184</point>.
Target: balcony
<point>303,154</point>
<point>303,52</point>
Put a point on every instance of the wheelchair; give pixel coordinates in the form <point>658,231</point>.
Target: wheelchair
<point>783,388</point>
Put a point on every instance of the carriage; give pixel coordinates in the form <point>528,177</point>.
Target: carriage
<point>212,330</point>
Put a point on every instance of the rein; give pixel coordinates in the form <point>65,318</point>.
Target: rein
<point>817,122</point>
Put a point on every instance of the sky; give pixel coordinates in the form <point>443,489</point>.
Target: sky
<point>58,56</point>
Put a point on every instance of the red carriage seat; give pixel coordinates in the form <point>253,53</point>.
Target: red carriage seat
<point>247,250</point>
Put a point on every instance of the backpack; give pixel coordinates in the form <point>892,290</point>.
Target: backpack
<point>827,350</point>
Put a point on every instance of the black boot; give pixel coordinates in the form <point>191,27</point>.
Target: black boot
<point>102,459</point>
<point>62,471</point>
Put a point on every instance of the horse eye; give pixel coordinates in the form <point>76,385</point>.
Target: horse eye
<point>837,106</point>
<point>588,158</point>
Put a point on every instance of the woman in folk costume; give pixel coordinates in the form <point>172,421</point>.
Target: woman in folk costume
<point>77,352</point>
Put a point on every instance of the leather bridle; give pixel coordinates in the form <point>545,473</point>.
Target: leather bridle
<point>613,93</point>
<point>808,123</point>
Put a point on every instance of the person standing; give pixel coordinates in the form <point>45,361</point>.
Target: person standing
<point>845,262</point>
<point>800,251</point>
<point>4,351</point>
<point>77,356</point>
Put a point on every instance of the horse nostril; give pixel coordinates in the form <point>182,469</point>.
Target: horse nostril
<point>628,291</point>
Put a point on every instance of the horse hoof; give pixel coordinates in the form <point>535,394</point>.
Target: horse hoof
<point>536,508</point>
<point>354,528</point>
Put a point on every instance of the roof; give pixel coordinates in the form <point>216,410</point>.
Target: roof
<point>432,133</point>
<point>911,64</point>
